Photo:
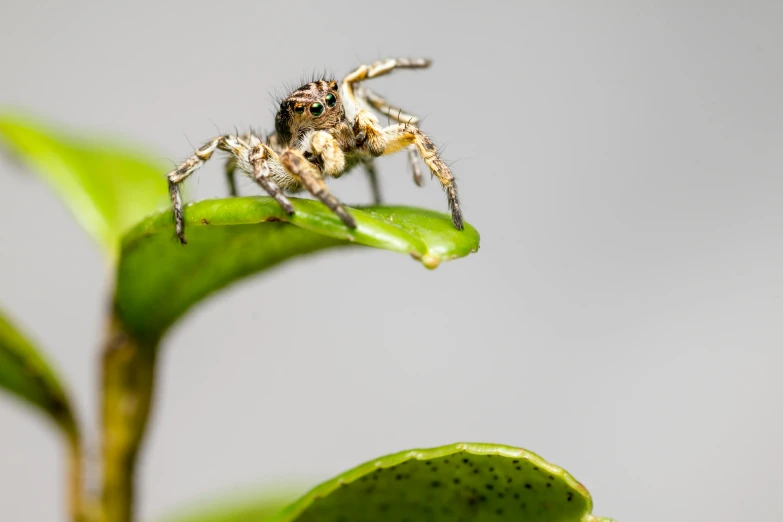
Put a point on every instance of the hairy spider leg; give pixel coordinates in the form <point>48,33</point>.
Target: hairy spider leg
<point>396,137</point>
<point>379,103</point>
<point>365,122</point>
<point>240,152</point>
<point>403,135</point>
<point>293,161</point>
<point>372,175</point>
<point>319,153</point>
<point>265,163</point>
<point>374,70</point>
<point>325,146</point>
<point>230,168</point>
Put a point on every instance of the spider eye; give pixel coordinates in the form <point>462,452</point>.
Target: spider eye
<point>316,109</point>
<point>331,100</point>
<point>299,109</point>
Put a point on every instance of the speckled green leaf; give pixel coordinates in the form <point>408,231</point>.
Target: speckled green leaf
<point>107,186</point>
<point>460,482</point>
<point>26,374</point>
<point>158,279</point>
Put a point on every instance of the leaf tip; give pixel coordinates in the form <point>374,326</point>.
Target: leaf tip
<point>430,260</point>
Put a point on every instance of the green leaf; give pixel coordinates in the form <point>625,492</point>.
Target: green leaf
<point>158,279</point>
<point>108,187</point>
<point>476,482</point>
<point>26,374</point>
<point>238,509</point>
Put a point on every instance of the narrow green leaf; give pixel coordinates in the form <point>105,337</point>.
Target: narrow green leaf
<point>108,187</point>
<point>476,482</point>
<point>26,374</point>
<point>158,279</point>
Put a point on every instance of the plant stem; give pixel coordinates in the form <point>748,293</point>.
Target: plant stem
<point>128,378</point>
<point>75,480</point>
<point>65,418</point>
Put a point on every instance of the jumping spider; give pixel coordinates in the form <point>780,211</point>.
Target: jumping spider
<point>323,129</point>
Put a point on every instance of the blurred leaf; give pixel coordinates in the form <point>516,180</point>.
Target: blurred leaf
<point>237,509</point>
<point>158,279</point>
<point>476,482</point>
<point>25,373</point>
<point>108,187</point>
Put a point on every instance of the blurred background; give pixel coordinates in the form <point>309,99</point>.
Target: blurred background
<point>622,319</point>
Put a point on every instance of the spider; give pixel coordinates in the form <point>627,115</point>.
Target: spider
<point>323,129</point>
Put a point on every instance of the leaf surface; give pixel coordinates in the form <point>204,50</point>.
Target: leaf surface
<point>107,186</point>
<point>158,279</point>
<point>475,482</point>
<point>233,510</point>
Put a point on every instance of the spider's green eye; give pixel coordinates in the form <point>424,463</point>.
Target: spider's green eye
<point>316,109</point>
<point>331,100</point>
<point>299,110</point>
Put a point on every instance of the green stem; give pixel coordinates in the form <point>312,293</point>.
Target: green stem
<point>75,481</point>
<point>128,378</point>
<point>75,495</point>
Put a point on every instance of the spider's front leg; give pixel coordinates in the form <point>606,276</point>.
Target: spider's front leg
<point>264,162</point>
<point>324,146</point>
<point>229,143</point>
<point>307,174</point>
<point>243,154</point>
<point>231,166</point>
<point>400,136</point>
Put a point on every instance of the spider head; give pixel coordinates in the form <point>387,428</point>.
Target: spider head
<point>313,106</point>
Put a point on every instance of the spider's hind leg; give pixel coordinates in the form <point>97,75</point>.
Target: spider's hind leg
<point>379,103</point>
<point>372,176</point>
<point>374,70</point>
<point>383,67</point>
<point>356,108</point>
<point>230,168</point>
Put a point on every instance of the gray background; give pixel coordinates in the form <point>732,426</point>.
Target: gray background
<point>622,319</point>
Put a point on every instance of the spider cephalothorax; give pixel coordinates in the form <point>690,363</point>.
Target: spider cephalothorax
<point>324,129</point>
<point>311,107</point>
